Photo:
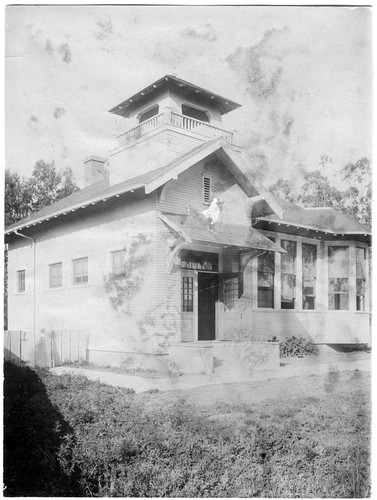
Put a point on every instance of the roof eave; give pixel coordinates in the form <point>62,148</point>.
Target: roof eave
<point>84,204</point>
<point>312,228</point>
<point>225,105</point>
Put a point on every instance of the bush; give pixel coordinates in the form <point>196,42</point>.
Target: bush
<point>107,441</point>
<point>297,347</point>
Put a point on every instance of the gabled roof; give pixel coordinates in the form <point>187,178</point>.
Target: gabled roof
<point>149,181</point>
<point>325,219</point>
<point>184,88</point>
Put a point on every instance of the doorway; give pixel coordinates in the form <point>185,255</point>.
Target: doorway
<point>207,297</point>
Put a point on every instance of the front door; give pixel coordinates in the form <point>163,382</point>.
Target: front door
<point>207,297</point>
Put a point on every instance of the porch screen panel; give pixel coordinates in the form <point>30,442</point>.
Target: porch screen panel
<point>266,277</point>
<point>288,274</point>
<point>187,294</point>
<point>338,278</point>
<point>360,279</point>
<point>309,275</point>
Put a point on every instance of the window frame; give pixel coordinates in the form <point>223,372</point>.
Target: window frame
<point>18,274</point>
<point>261,288</point>
<point>308,295</point>
<point>294,288</point>
<point>187,294</point>
<point>361,297</point>
<point>113,273</point>
<point>75,276</point>
<point>148,110</point>
<point>196,108</point>
<point>338,295</point>
<point>50,268</point>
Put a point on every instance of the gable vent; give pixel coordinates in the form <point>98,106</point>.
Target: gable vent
<point>206,189</point>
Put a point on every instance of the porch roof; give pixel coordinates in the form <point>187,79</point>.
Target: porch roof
<point>197,229</point>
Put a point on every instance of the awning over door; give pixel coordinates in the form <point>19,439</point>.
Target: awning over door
<point>198,230</point>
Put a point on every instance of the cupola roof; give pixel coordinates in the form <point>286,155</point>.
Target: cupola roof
<point>186,89</point>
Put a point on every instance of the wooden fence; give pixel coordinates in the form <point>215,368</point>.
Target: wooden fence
<point>49,348</point>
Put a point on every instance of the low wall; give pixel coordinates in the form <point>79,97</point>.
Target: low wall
<point>133,361</point>
<point>233,358</point>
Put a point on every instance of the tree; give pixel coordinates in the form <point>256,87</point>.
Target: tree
<point>45,186</point>
<point>15,194</point>
<point>317,191</point>
<point>357,200</point>
<point>283,189</point>
<point>25,196</point>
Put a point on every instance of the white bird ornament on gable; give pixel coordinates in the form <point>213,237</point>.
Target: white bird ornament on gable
<point>213,211</point>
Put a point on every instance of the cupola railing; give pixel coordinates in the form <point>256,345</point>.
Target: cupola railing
<point>176,120</point>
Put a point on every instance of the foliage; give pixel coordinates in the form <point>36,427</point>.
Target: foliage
<point>45,186</point>
<point>283,189</point>
<point>125,286</point>
<point>116,443</point>
<point>358,196</point>
<point>317,192</point>
<point>353,199</point>
<point>297,347</point>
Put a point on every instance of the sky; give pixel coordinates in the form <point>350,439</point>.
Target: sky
<point>302,74</point>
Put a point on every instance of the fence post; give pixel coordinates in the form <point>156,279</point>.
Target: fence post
<point>70,345</point>
<point>78,345</point>
<point>87,349</point>
<point>20,346</point>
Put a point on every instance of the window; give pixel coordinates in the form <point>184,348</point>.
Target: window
<point>56,275</point>
<point>195,113</point>
<point>118,263</point>
<point>187,294</point>
<point>338,278</point>
<point>360,279</point>
<point>309,275</point>
<point>288,275</point>
<point>232,289</point>
<point>266,274</point>
<point>148,114</point>
<point>206,189</point>
<point>201,261</point>
<point>21,281</point>
<point>80,271</point>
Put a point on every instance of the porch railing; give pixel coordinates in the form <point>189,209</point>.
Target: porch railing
<point>175,120</point>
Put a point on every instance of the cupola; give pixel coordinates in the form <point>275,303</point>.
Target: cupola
<point>166,120</point>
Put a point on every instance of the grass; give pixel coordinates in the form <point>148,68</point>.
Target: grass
<point>68,436</point>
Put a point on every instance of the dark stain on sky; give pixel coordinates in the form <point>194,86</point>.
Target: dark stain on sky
<point>49,48</point>
<point>65,52</point>
<point>59,112</point>
<point>248,63</point>
<point>106,28</point>
<point>209,33</point>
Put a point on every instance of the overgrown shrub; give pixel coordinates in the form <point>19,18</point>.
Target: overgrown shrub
<point>297,347</point>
